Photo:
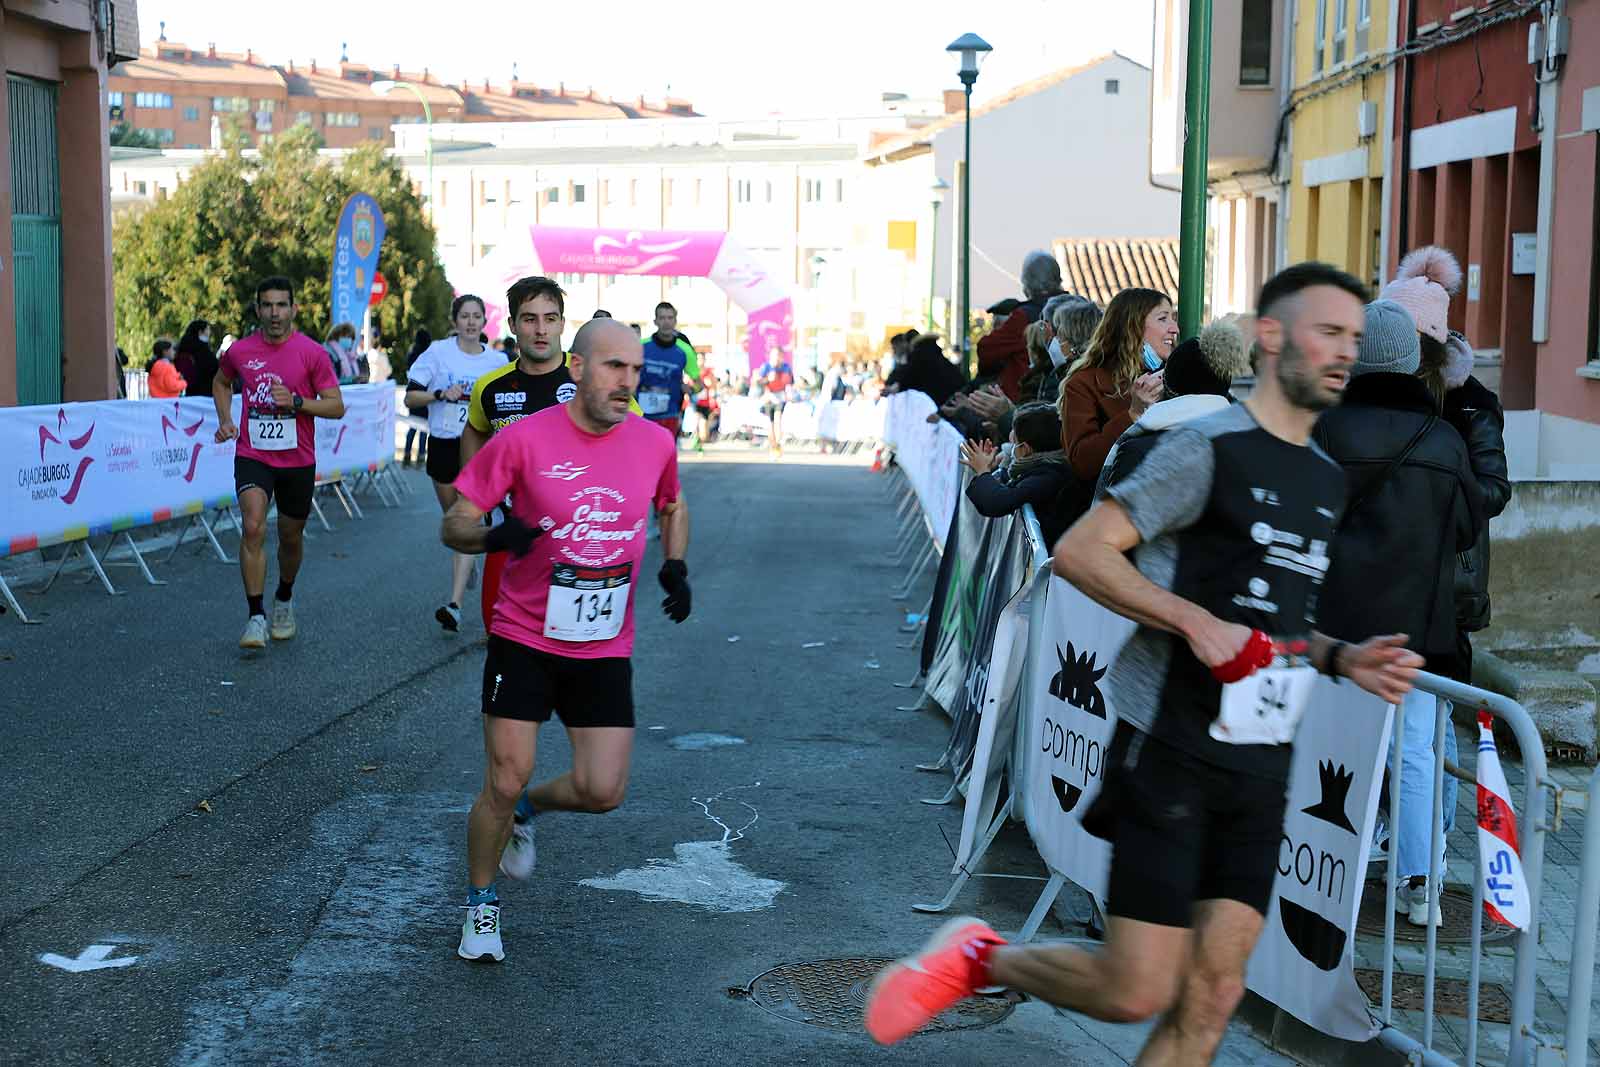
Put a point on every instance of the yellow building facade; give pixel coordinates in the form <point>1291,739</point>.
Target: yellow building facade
<point>1339,109</point>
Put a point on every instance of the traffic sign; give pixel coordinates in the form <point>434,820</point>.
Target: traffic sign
<point>380,288</point>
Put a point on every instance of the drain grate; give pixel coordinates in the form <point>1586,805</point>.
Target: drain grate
<point>1449,995</point>
<point>1455,908</point>
<point>833,994</point>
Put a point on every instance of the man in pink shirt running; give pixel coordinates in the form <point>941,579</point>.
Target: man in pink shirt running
<point>285,380</point>
<point>582,477</point>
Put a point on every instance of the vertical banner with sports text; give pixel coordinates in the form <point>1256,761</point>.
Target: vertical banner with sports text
<point>356,242</point>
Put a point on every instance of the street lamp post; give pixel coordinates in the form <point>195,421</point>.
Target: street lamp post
<point>387,86</point>
<point>972,49</point>
<point>936,196</point>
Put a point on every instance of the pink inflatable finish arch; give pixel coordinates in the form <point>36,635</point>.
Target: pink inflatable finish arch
<point>682,253</point>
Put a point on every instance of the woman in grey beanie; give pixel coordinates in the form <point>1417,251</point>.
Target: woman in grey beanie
<point>1412,503</point>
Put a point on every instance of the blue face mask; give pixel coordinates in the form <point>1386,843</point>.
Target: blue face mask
<point>347,343</point>
<point>1152,362</point>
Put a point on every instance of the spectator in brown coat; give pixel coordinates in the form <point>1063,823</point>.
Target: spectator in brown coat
<point>1118,376</point>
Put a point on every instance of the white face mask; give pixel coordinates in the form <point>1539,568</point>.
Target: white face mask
<point>1057,357</point>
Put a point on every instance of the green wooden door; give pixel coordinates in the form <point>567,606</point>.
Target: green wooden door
<point>35,238</point>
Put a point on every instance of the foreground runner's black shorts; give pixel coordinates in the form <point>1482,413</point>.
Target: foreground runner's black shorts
<point>292,486</point>
<point>1183,830</point>
<point>524,683</point>
<point>444,459</point>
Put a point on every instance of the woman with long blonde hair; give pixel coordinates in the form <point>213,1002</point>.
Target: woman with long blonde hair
<point>1118,376</point>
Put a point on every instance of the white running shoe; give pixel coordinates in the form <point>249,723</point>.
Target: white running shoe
<point>1413,902</point>
<point>449,617</point>
<point>1380,842</point>
<point>283,628</point>
<point>480,934</point>
<point>255,633</point>
<point>520,855</point>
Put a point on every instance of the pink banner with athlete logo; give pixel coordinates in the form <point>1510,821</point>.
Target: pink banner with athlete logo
<point>568,250</point>
<point>678,253</point>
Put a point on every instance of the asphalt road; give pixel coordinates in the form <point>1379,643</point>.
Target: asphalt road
<point>277,840</point>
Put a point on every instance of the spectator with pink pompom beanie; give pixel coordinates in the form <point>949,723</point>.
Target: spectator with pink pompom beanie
<point>1426,280</point>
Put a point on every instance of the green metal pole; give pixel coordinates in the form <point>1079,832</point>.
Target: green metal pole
<point>1196,145</point>
<point>933,263</point>
<point>963,324</point>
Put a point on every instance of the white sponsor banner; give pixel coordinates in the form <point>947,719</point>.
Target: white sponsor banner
<point>70,471</point>
<point>1304,962</point>
<point>929,453</point>
<point>859,419</point>
<point>1070,714</point>
<point>363,440</point>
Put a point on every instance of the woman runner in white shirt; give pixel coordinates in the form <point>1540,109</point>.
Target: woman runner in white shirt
<point>440,381</point>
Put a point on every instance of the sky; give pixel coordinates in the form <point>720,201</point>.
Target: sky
<point>729,58</point>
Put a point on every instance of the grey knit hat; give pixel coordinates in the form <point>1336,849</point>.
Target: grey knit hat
<point>1390,343</point>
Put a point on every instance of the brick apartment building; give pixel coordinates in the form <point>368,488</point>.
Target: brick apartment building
<point>55,210</point>
<point>182,95</point>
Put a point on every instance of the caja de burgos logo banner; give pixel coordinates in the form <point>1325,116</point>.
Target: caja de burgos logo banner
<point>64,461</point>
<point>182,443</point>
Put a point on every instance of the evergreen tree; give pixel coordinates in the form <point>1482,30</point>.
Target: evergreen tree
<point>238,219</point>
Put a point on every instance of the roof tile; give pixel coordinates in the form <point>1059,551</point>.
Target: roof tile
<point>1101,267</point>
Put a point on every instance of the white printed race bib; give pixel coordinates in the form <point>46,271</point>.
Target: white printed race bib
<point>654,401</point>
<point>587,603</point>
<point>274,433</point>
<point>1265,708</point>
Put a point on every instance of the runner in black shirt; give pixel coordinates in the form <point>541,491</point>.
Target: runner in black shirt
<point>1229,518</point>
<point>535,380</point>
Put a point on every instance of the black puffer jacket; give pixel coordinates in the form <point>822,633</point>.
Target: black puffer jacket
<point>1394,557</point>
<point>1046,483</point>
<point>1476,414</point>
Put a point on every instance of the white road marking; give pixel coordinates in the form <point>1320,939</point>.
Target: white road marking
<point>93,958</point>
<point>702,873</point>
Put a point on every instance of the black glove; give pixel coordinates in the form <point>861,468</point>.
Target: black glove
<point>513,535</point>
<point>674,578</point>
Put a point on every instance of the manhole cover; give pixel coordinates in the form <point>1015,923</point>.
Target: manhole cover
<point>1455,908</point>
<point>1449,995</point>
<point>833,994</point>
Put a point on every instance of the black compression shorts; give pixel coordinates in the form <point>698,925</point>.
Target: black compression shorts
<point>292,486</point>
<point>1183,830</point>
<point>444,459</point>
<point>525,683</point>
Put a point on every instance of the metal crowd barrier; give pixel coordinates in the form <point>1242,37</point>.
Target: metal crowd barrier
<point>1531,828</point>
<point>1580,987</point>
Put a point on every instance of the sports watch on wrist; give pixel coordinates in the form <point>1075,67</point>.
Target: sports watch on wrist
<point>297,401</point>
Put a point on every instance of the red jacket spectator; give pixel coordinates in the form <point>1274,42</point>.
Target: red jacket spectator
<point>165,381</point>
<point>1003,354</point>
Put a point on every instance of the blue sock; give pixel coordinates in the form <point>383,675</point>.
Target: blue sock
<point>524,810</point>
<point>486,895</point>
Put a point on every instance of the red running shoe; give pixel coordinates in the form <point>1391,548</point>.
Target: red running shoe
<point>910,993</point>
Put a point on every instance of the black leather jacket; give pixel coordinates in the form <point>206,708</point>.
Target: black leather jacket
<point>1394,556</point>
<point>1476,414</point>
